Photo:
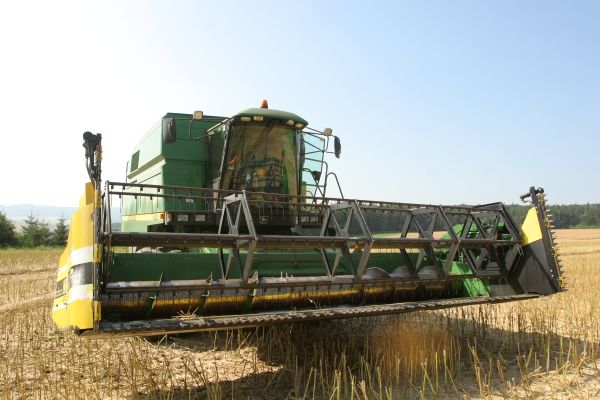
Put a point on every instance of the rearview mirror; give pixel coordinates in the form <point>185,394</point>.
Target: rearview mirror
<point>316,175</point>
<point>169,132</point>
<point>337,147</point>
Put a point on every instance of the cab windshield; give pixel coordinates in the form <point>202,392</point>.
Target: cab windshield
<point>261,157</point>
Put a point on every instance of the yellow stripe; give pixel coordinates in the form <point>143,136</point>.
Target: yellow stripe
<point>158,161</point>
<point>143,217</point>
<point>531,231</point>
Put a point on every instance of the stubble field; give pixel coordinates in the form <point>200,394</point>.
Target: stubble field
<point>544,348</point>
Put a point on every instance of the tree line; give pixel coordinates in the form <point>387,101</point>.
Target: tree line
<point>564,216</point>
<point>35,233</point>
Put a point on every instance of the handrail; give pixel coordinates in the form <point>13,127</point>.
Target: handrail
<point>264,197</point>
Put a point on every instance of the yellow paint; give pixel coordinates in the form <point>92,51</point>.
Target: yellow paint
<point>97,253</point>
<point>61,318</point>
<point>79,313</point>
<point>81,230</point>
<point>63,273</point>
<point>88,196</point>
<point>81,233</point>
<point>531,231</point>
<point>83,311</point>
<point>60,300</point>
<point>143,217</point>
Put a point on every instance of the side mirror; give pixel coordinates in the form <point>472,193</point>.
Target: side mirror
<point>337,147</point>
<point>169,132</point>
<point>316,175</point>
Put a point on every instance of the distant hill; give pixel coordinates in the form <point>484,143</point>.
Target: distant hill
<point>50,214</point>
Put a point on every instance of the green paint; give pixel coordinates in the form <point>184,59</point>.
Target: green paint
<point>182,163</point>
<point>203,264</point>
<point>275,114</point>
<point>470,287</point>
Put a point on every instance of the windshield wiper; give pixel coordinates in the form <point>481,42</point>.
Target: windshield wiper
<point>263,135</point>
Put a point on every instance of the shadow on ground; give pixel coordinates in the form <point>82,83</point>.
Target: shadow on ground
<point>307,354</point>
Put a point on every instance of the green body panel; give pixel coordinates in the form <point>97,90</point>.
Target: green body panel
<point>269,113</point>
<point>474,232</point>
<point>182,163</point>
<point>183,266</point>
<point>175,266</point>
<point>470,287</point>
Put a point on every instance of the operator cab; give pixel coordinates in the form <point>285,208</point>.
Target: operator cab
<point>263,152</point>
<point>260,150</point>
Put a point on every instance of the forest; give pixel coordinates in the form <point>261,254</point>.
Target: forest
<point>564,216</point>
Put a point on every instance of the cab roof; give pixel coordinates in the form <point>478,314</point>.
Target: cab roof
<point>270,113</point>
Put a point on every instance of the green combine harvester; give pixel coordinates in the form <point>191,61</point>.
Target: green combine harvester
<point>226,223</point>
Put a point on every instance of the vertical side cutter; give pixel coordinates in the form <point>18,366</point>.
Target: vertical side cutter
<point>92,143</point>
<point>538,270</point>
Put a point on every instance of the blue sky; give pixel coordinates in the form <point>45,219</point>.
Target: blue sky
<point>435,102</point>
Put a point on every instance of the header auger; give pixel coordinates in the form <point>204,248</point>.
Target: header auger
<point>227,222</point>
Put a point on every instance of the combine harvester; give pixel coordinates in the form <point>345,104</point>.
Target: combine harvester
<point>225,223</point>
